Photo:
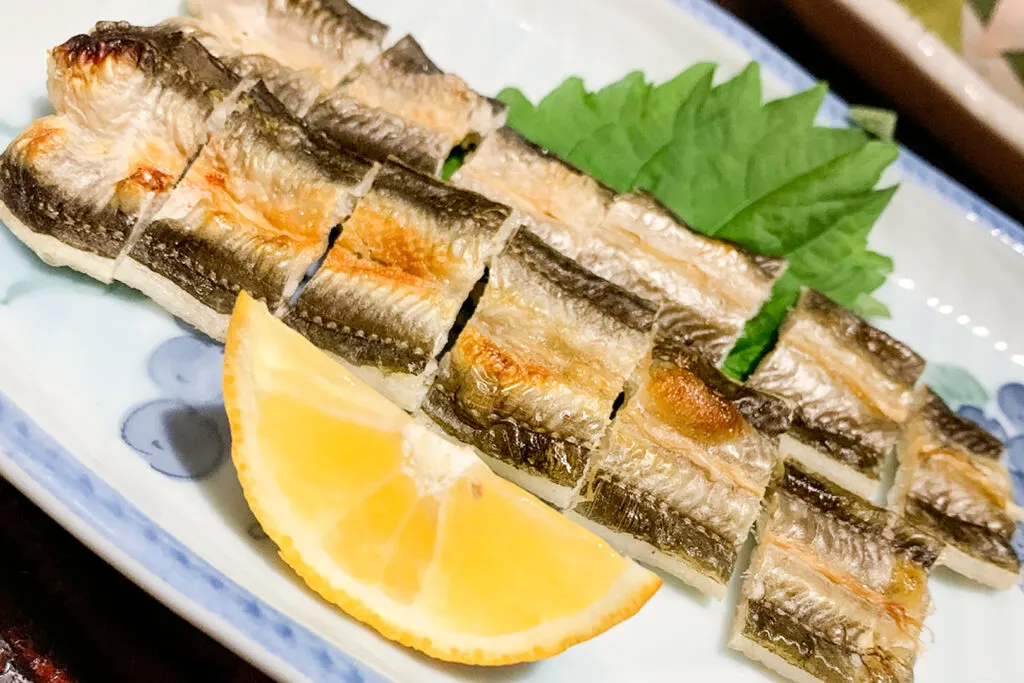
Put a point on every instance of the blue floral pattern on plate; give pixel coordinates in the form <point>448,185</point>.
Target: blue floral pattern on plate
<point>1005,420</point>
<point>165,558</point>
<point>185,434</point>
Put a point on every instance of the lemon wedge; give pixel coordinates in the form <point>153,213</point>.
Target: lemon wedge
<point>400,527</point>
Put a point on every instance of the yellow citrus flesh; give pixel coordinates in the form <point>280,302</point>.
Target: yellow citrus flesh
<point>400,527</point>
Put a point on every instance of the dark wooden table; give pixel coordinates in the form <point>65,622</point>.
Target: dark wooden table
<point>65,615</point>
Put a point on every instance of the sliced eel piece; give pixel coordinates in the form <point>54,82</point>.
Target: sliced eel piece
<point>254,212</point>
<point>74,197</point>
<point>323,39</point>
<point>403,105</point>
<point>837,587</point>
<point>119,77</point>
<point>133,108</point>
<point>952,482</point>
<point>679,478</point>
<point>565,205</point>
<point>532,378</point>
<point>851,384</point>
<point>709,287</point>
<point>296,88</point>
<point>392,284</point>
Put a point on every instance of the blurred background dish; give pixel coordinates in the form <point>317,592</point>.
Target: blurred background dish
<point>957,66</point>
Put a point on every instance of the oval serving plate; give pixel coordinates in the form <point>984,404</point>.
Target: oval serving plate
<point>111,416</point>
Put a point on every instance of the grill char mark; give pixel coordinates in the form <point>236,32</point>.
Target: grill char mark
<point>84,93</point>
<point>689,482</point>
<point>163,52</point>
<point>768,414</point>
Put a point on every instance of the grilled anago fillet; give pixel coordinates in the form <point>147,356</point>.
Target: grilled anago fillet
<point>74,197</point>
<point>403,105</point>
<point>390,289</point>
<point>296,88</point>
<point>324,40</point>
<point>851,384</point>
<point>837,587</point>
<point>951,481</point>
<point>120,77</point>
<point>679,478</point>
<point>253,213</point>
<point>532,378</point>
<point>563,204</point>
<point>709,288</point>
<point>133,105</point>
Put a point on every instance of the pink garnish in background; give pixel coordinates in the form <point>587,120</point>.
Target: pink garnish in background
<point>1005,30</point>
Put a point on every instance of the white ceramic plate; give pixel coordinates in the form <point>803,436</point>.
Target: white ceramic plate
<point>111,416</point>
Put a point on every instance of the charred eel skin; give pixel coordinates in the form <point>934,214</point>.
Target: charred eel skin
<point>407,259</point>
<point>520,384</point>
<point>86,175</point>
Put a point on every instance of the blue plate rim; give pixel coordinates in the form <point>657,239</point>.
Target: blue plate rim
<point>93,501</point>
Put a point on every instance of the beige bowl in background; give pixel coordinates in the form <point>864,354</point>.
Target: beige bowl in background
<point>930,82</point>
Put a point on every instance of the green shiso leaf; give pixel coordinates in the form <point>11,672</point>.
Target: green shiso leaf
<point>760,174</point>
<point>881,123</point>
